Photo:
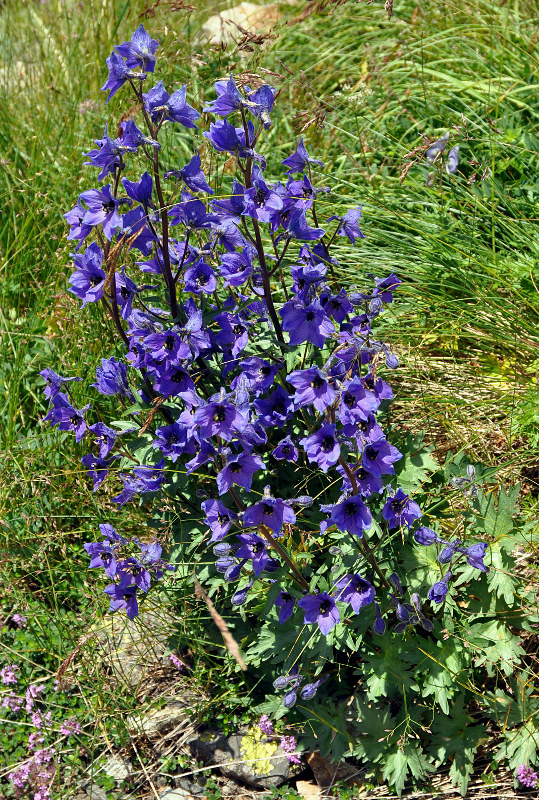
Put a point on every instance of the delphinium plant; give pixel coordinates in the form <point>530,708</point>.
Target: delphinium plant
<point>252,390</point>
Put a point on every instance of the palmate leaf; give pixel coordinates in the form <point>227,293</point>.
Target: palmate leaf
<point>326,728</point>
<point>521,745</point>
<point>417,464</point>
<point>455,738</point>
<point>375,731</point>
<point>409,758</point>
<point>495,646</point>
<point>386,672</point>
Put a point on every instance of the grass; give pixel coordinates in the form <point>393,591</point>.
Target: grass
<point>466,326</point>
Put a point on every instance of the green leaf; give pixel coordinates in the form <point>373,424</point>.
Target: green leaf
<point>495,646</point>
<point>326,728</point>
<point>417,465</point>
<point>406,759</point>
<point>455,738</point>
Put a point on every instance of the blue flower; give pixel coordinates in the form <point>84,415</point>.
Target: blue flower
<point>139,52</point>
<point>320,609</point>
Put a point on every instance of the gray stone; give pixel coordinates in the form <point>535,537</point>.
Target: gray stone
<point>221,28</point>
<point>271,769</point>
<point>92,792</point>
<point>133,648</point>
<point>160,720</point>
<point>118,768</point>
<point>177,794</point>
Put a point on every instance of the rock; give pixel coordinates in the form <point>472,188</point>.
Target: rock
<point>91,792</point>
<point>133,648</point>
<point>308,790</point>
<point>177,794</point>
<point>327,773</point>
<point>160,720</point>
<point>220,28</point>
<point>118,768</point>
<point>257,762</point>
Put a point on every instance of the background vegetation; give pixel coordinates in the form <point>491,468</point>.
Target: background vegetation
<point>367,92</point>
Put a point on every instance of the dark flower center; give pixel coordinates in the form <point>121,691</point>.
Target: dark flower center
<point>278,408</point>
<point>172,439</point>
<point>286,597</point>
<point>398,506</point>
<point>318,382</point>
<point>169,342</point>
<point>95,279</point>
<point>235,468</point>
<point>202,278</point>
<point>301,283</point>
<point>363,425</point>
<point>237,330</point>
<point>349,400</point>
<point>286,449</point>
<point>350,509</point>
<point>223,518</point>
<point>328,443</point>
<point>309,316</point>
<point>108,207</point>
<point>371,453</point>
<point>325,607</point>
<point>362,474</point>
<point>257,547</point>
<point>265,371</point>
<point>75,419</point>
<point>260,197</point>
<point>124,291</point>
<point>219,414</point>
<point>177,377</point>
<point>268,509</point>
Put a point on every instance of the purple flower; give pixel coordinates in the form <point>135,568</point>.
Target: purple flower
<point>229,98</point>
<point>112,378</point>
<point>265,725</point>
<point>192,176</point>
<point>379,626</point>
<point>527,776</point>
<point>379,457</point>
<point>355,590</point>
<point>427,536</point>
<point>400,509</point>
<point>275,410</point>
<point>438,591</point>
<point>79,230</point>
<point>139,52</point>
<point>475,555</point>
<point>271,512</point>
<point>349,225</point>
<point>320,608</point>
<point>253,548</point>
<point>7,674</point>
<point>310,689</point>
<point>351,515</point>
<point>88,279</point>
<point>140,191</point>
<point>260,373</point>
<point>102,556</point>
<point>260,103</point>
<point>102,210</point>
<point>174,440</point>
<point>233,206</point>
<point>68,418</point>
<point>286,450</point>
<point>298,228</point>
<point>261,201</point>
<point>97,468</point>
<point>285,603</point>
<point>218,518</point>
<point>54,382</point>
<point>239,470</point>
<point>108,532</point>
<point>356,403</point>
<point>219,418</point>
<point>19,620</point>
<point>299,160</point>
<point>119,72</point>
<point>162,106</point>
<point>452,162</point>
<point>200,278</point>
<point>322,447</point>
<point>312,388</point>
<point>123,597</point>
<point>145,478</point>
<point>306,323</point>
<point>438,147</point>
